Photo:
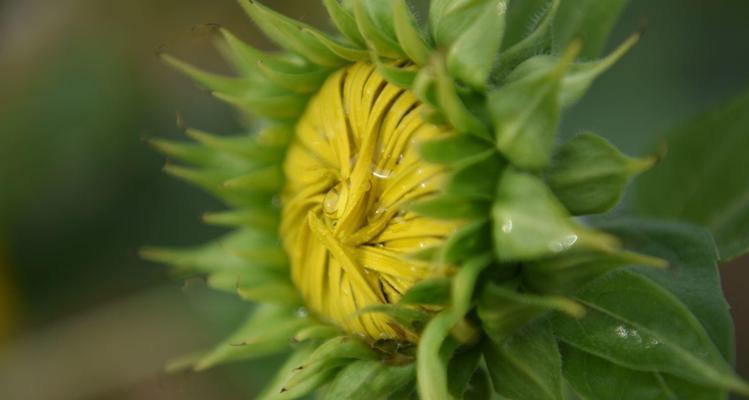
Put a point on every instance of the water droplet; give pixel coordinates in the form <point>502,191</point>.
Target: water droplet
<point>330,203</point>
<point>380,245</point>
<point>507,226</point>
<point>382,174</point>
<point>275,201</point>
<point>621,331</point>
<point>563,244</point>
<point>400,159</point>
<point>302,312</point>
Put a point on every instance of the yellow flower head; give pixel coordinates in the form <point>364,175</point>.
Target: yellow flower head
<point>351,171</point>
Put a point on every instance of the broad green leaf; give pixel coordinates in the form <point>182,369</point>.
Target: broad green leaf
<point>460,370</point>
<point>369,379</point>
<point>471,57</point>
<point>529,222</point>
<point>525,113</point>
<point>596,378</point>
<point>705,177</point>
<point>504,310</point>
<point>693,274</point>
<point>527,365</point>
<point>589,20</point>
<point>588,174</point>
<point>479,387</point>
<point>635,323</point>
<point>567,272</point>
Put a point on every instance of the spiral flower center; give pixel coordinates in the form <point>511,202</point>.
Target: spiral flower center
<point>351,171</point>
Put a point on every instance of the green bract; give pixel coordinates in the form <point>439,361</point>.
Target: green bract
<point>530,282</point>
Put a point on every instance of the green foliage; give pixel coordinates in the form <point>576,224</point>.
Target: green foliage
<point>588,174</point>
<point>590,20</point>
<point>637,324</point>
<point>705,177</point>
<point>521,279</point>
<point>527,365</point>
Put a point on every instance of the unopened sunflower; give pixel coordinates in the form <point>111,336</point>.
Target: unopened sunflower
<point>402,211</point>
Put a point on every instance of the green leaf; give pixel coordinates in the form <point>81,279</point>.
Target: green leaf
<point>693,275</point>
<point>596,378</point>
<point>589,20</point>
<point>469,240</point>
<point>431,369</point>
<point>267,330</point>
<point>250,147</point>
<point>451,207</point>
<point>220,255</point>
<point>324,363</point>
<point>530,223</point>
<point>525,113</point>
<point>290,34</point>
<point>258,218</point>
<point>401,77</point>
<point>635,323</point>
<point>432,291</point>
<point>526,366</point>
<point>453,106</point>
<point>536,41</point>
<point>453,149</point>
<point>705,178</point>
<point>213,82</point>
<point>408,33</point>
<point>567,272</point>
<point>274,388</point>
<point>504,310</point>
<point>588,174</point>
<point>375,22</point>
<point>522,19</point>
<point>369,379</point>
<point>477,177</point>
<point>471,56</point>
<point>460,369</point>
<point>344,21</point>
<point>410,318</point>
<point>479,386</point>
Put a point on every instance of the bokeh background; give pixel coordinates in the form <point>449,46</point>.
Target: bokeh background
<point>81,87</point>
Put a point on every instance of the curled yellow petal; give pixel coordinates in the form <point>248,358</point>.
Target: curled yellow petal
<point>351,170</point>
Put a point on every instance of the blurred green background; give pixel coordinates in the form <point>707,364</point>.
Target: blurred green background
<point>81,316</point>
